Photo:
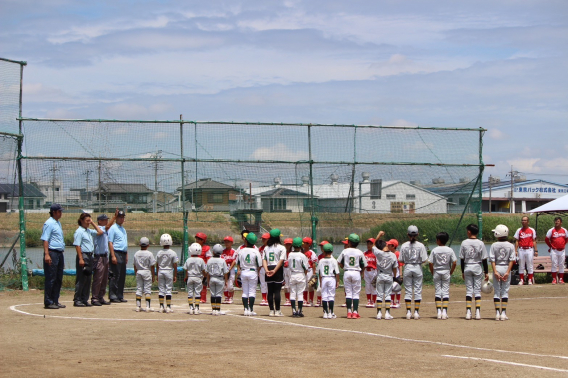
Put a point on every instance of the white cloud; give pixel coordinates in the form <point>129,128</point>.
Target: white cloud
<point>497,134</point>
<point>278,152</point>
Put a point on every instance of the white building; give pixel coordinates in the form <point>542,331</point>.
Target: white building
<point>527,195</point>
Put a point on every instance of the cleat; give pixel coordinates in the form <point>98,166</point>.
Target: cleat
<point>221,312</point>
<point>300,314</point>
<point>477,315</point>
<point>439,316</point>
<point>504,316</point>
<point>138,309</point>
<point>356,315</point>
<point>252,313</point>
<point>318,304</point>
<point>264,303</point>
<point>307,304</point>
<point>521,283</point>
<point>554,281</point>
<point>190,311</point>
<point>497,316</point>
<point>288,303</point>
<point>278,313</point>
<point>395,305</point>
<point>246,313</point>
<point>349,315</point>
<point>196,312</point>
<point>294,314</point>
<point>388,316</point>
<point>530,282</point>
<point>379,316</point>
<point>416,315</point>
<point>169,310</point>
<point>370,305</point>
<point>344,305</point>
<point>408,315</point>
<point>332,316</point>
<point>161,310</point>
<point>561,281</point>
<point>271,313</point>
<point>325,315</point>
<point>149,309</point>
<point>468,315</point>
<point>444,316</point>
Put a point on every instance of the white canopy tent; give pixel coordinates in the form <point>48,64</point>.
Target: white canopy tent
<point>557,207</point>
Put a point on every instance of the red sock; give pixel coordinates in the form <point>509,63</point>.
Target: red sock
<point>392,298</point>
<point>312,293</point>
<point>204,294</point>
<point>226,294</point>
<point>264,296</point>
<point>531,277</point>
<point>373,298</point>
<point>521,277</point>
<point>368,297</point>
<point>398,298</point>
<point>319,299</point>
<point>553,275</point>
<point>561,276</point>
<point>287,295</point>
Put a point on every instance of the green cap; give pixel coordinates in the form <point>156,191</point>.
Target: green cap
<point>275,233</point>
<point>297,242</point>
<point>251,237</point>
<point>353,238</point>
<point>328,247</point>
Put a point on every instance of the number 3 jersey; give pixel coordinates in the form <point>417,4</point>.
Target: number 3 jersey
<point>352,259</point>
<point>442,258</point>
<point>502,253</point>
<point>328,267</point>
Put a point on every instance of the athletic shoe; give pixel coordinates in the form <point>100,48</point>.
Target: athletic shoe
<point>264,303</point>
<point>161,310</point>
<point>561,281</point>
<point>395,305</point>
<point>439,316</point>
<point>149,309</point>
<point>225,301</point>
<point>52,306</point>
<point>344,305</point>
<point>521,282</point>
<point>370,305</point>
<point>497,316</point>
<point>356,315</point>
<point>246,313</point>
<point>308,304</point>
<point>325,315</point>
<point>294,314</point>
<point>196,312</point>
<point>468,315</point>
<point>477,315</point>
<point>504,316</point>
<point>530,282</point>
<point>221,312</point>
<point>318,304</point>
<point>138,309</point>
<point>388,316</point>
<point>444,316</point>
<point>408,315</point>
<point>288,303</point>
<point>252,313</point>
<point>169,310</point>
<point>416,315</point>
<point>380,315</point>
<point>554,281</point>
<point>349,315</point>
<point>332,316</point>
<point>301,314</point>
<point>278,313</point>
<point>271,313</point>
<point>190,311</point>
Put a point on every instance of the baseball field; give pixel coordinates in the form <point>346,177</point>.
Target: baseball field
<point>117,341</point>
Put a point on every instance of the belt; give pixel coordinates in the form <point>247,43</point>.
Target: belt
<point>101,254</point>
<point>116,250</point>
<point>87,253</point>
<point>252,269</point>
<point>55,250</point>
<point>526,247</point>
<point>351,270</point>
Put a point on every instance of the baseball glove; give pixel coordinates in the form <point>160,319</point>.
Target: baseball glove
<point>313,282</point>
<point>374,281</point>
<point>398,280</point>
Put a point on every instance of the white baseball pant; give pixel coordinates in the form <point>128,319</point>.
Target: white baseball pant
<point>297,286</point>
<point>442,283</point>
<point>165,281</point>
<point>216,285</point>
<point>287,280</point>
<point>249,280</point>
<point>230,287</point>
<point>557,258</point>
<point>262,278</point>
<point>412,278</point>
<point>328,289</point>
<point>369,275</point>
<point>502,287</point>
<point>143,282</point>
<point>526,260</point>
<point>352,283</point>
<point>194,287</point>
<point>384,287</point>
<point>473,277</point>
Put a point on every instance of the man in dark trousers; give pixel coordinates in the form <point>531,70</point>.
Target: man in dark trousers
<point>118,247</point>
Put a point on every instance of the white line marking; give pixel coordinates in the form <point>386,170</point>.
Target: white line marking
<point>507,363</point>
<point>400,338</point>
<point>14,308</point>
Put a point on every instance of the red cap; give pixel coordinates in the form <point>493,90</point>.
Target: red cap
<point>307,240</point>
<point>266,236</point>
<point>288,241</point>
<point>324,242</point>
<point>201,236</point>
<point>345,242</point>
<point>228,238</point>
<point>393,242</point>
<point>371,240</point>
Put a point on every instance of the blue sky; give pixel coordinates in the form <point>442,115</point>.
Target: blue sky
<point>500,65</point>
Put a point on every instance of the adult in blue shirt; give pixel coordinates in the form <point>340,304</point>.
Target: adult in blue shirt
<point>53,261</point>
<point>118,247</point>
<point>85,246</point>
<point>100,261</point>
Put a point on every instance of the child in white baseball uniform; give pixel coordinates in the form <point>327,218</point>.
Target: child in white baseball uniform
<point>386,269</point>
<point>229,255</point>
<point>328,273</point>
<point>249,263</point>
<point>443,262</point>
<point>502,257</point>
<point>262,274</point>
<point>392,245</point>
<point>298,264</point>
<point>288,245</point>
<point>166,270</point>
<point>413,254</point>
<point>217,276</point>
<point>473,256</point>
<point>144,269</point>
<point>352,260</point>
<point>370,274</point>
<point>194,272</point>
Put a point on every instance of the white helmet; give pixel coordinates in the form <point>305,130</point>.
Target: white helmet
<point>195,249</point>
<point>500,231</point>
<point>217,249</point>
<point>487,287</point>
<point>166,239</point>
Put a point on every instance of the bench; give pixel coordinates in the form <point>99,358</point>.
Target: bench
<point>542,264</point>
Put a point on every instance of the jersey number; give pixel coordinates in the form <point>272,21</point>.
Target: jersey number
<point>271,256</point>
<point>352,261</point>
<point>294,264</point>
<point>247,259</point>
<point>326,269</point>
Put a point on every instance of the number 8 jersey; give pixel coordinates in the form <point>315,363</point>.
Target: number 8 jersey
<point>328,267</point>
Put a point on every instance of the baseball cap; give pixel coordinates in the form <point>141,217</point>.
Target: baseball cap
<point>412,230</point>
<point>121,214</point>
<point>328,248</point>
<point>275,233</point>
<point>353,238</point>
<point>324,242</point>
<point>288,241</point>
<point>344,241</point>
<point>393,242</point>
<point>102,217</point>
<point>266,236</point>
<point>371,240</point>
<point>228,238</point>
<point>251,237</point>
<point>144,241</point>
<point>56,207</point>
<point>297,242</point>
<point>307,240</point>
<point>201,236</point>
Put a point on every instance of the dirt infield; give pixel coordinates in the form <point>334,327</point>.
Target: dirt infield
<point>116,341</point>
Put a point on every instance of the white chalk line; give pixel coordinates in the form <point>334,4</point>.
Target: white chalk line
<point>507,363</point>
<point>14,308</point>
<point>439,343</point>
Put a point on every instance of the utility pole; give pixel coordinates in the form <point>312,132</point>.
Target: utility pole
<point>87,194</point>
<point>54,169</point>
<point>490,184</point>
<point>99,186</point>
<point>512,174</point>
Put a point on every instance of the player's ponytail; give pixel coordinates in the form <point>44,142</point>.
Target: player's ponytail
<point>412,238</point>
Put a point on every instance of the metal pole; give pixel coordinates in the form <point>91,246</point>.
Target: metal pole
<point>99,186</point>
<point>480,181</point>
<point>314,219</point>
<point>185,236</point>
<point>23,257</point>
<point>490,185</point>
